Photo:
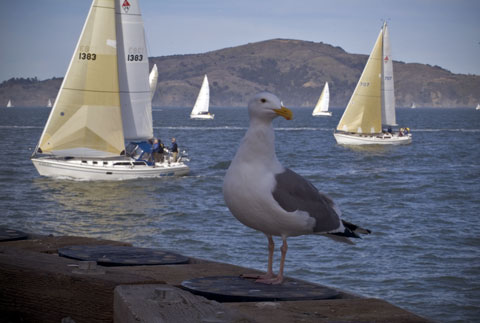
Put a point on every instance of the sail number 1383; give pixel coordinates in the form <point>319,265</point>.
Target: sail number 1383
<point>135,58</point>
<point>87,56</point>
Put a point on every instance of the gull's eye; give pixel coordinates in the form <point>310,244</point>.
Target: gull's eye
<point>263,100</point>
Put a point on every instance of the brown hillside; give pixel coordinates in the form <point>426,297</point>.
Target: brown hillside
<point>295,70</point>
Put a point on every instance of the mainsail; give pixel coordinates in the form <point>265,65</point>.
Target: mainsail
<point>388,91</point>
<point>135,94</point>
<point>86,119</point>
<point>203,99</point>
<point>363,112</point>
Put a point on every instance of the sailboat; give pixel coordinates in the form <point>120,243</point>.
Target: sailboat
<point>321,109</point>
<point>478,107</point>
<point>413,106</point>
<point>153,79</point>
<point>49,103</point>
<point>9,104</point>
<point>373,103</point>
<point>200,109</point>
<point>104,102</point>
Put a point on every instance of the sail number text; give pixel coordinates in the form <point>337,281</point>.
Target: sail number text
<point>87,56</point>
<point>135,58</point>
<point>365,84</point>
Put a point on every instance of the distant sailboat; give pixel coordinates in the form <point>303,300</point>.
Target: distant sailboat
<point>321,109</point>
<point>478,107</point>
<point>49,103</point>
<point>373,102</point>
<point>104,102</point>
<point>413,106</point>
<point>200,109</point>
<point>9,104</point>
<point>153,79</point>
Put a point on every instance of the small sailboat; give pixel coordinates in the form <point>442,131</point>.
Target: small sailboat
<point>9,104</point>
<point>153,79</point>
<point>321,109</point>
<point>49,103</point>
<point>104,102</point>
<point>478,107</point>
<point>373,103</point>
<point>200,109</point>
<point>413,106</point>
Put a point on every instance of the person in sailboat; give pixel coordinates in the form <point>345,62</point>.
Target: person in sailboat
<point>157,150</point>
<point>174,149</point>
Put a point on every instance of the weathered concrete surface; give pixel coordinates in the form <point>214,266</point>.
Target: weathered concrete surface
<point>164,303</point>
<point>36,285</point>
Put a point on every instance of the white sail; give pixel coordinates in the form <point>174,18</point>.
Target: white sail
<point>388,91</point>
<point>323,101</point>
<point>478,107</point>
<point>203,100</point>
<point>9,104</point>
<point>135,93</point>
<point>49,103</point>
<point>153,80</point>
<point>86,118</point>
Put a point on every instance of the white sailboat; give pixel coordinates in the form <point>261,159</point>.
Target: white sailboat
<point>9,104</point>
<point>321,109</point>
<point>200,109</point>
<point>413,106</point>
<point>49,103</point>
<point>153,79</point>
<point>104,101</point>
<point>478,107</point>
<point>373,103</point>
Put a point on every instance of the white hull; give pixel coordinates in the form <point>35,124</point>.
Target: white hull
<point>87,169</point>
<point>202,116</point>
<point>324,114</point>
<point>382,139</point>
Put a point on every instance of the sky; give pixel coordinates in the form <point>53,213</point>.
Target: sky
<point>38,37</point>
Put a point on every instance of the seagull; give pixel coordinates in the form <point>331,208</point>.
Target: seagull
<point>264,195</point>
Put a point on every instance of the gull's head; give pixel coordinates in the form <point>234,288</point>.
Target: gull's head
<point>266,105</point>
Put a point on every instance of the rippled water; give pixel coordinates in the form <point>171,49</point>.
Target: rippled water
<point>421,201</point>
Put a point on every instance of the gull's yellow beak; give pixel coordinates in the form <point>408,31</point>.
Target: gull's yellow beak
<point>284,112</point>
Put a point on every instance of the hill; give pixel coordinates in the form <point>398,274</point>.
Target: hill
<point>295,70</point>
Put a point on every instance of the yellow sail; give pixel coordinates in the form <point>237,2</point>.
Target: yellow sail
<point>363,112</point>
<point>86,119</point>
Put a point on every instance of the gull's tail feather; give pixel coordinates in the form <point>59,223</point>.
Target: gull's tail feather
<point>351,231</point>
<point>355,228</point>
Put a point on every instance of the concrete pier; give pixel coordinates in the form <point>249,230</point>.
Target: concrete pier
<point>37,285</point>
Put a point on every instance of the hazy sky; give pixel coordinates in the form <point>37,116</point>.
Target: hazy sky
<point>38,36</point>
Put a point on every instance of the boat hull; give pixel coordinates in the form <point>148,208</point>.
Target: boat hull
<point>90,170</point>
<point>202,116</point>
<point>382,139</point>
<point>324,114</point>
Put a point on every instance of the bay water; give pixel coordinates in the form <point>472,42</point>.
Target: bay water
<point>421,201</point>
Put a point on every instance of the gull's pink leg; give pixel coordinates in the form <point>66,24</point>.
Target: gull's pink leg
<point>269,275</point>
<point>284,249</point>
<point>279,279</point>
